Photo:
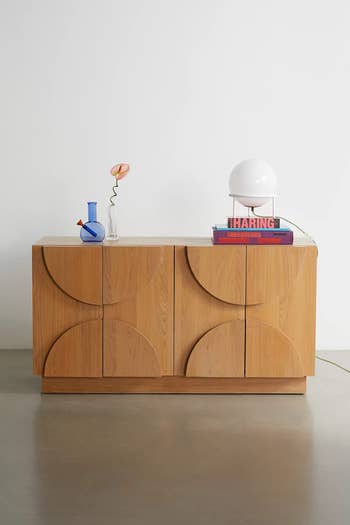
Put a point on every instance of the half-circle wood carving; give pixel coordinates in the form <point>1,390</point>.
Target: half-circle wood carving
<point>126,352</point>
<point>127,269</point>
<point>77,352</point>
<point>270,353</point>
<point>219,352</point>
<point>272,271</point>
<point>76,270</point>
<point>220,270</point>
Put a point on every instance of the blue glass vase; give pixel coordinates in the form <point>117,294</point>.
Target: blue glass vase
<point>92,231</point>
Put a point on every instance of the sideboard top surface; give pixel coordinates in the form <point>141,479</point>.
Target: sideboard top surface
<point>147,241</point>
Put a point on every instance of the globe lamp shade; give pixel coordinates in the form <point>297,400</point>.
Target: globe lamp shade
<point>253,183</point>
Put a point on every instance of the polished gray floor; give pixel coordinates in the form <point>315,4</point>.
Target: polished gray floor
<point>174,459</point>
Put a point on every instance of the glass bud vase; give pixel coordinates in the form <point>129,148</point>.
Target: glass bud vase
<point>92,230</point>
<point>112,222</point>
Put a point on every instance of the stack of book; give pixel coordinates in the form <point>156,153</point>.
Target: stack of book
<point>252,230</point>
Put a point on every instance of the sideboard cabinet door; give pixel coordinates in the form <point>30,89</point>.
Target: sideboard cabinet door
<point>138,296</point>
<point>209,311</point>
<point>280,312</point>
<point>67,311</point>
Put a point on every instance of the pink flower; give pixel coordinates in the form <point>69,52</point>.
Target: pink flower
<point>119,171</point>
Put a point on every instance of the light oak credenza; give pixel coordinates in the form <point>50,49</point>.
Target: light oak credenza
<point>173,315</point>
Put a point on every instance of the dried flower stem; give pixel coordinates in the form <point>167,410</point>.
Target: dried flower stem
<point>112,197</point>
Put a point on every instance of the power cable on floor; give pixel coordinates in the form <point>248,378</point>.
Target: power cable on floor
<point>333,363</point>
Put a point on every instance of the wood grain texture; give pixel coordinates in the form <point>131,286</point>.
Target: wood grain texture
<point>174,385</point>
<point>219,352</point>
<point>271,353</point>
<point>127,269</point>
<point>76,271</point>
<point>220,270</point>
<point>77,352</point>
<point>142,279</point>
<point>290,309</point>
<point>280,312</point>
<point>53,311</point>
<point>126,352</point>
<point>196,311</point>
<point>272,271</point>
<point>146,241</point>
<point>127,241</point>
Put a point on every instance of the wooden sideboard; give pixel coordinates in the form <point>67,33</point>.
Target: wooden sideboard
<point>173,315</point>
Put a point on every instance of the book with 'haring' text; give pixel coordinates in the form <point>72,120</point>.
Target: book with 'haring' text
<point>253,222</point>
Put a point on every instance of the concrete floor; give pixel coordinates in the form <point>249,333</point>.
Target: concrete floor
<point>173,459</point>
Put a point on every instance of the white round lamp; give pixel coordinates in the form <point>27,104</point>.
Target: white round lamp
<point>253,183</point>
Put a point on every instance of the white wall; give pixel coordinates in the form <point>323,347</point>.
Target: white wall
<point>183,90</point>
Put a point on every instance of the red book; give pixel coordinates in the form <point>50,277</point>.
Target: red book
<point>252,237</point>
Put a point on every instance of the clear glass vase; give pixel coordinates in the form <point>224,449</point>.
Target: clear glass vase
<point>112,222</point>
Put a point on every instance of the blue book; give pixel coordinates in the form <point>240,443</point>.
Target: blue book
<point>225,228</point>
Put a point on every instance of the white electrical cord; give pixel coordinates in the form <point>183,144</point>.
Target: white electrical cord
<point>283,219</point>
<point>333,363</point>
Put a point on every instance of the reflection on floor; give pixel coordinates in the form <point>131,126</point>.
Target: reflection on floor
<point>174,459</point>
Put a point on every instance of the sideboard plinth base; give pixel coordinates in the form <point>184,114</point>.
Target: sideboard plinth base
<point>173,385</point>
